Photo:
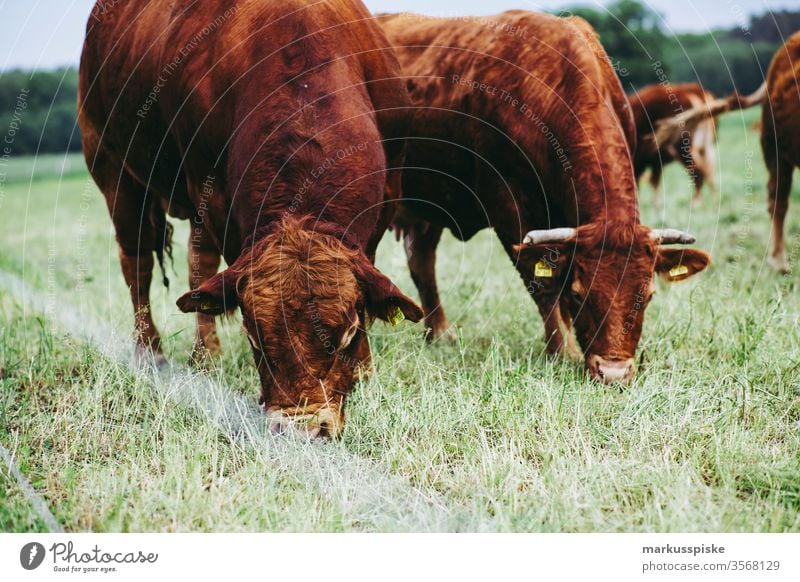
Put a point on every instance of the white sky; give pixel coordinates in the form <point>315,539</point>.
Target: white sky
<point>47,33</point>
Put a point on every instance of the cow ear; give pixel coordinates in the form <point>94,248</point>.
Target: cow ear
<point>214,297</point>
<point>679,264</point>
<point>544,261</point>
<point>382,297</point>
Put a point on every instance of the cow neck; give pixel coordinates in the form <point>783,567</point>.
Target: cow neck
<point>608,194</point>
<point>608,204</point>
<point>600,173</point>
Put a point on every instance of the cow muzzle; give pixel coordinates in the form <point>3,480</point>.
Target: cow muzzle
<point>327,422</point>
<point>610,371</point>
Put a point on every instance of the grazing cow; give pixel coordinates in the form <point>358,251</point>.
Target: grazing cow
<point>521,125</point>
<point>273,126</point>
<point>694,148</point>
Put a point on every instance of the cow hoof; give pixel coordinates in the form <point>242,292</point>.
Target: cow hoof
<point>444,334</point>
<point>779,264</point>
<point>144,358</point>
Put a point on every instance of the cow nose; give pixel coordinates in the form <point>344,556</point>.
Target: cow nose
<point>610,371</point>
<point>325,423</point>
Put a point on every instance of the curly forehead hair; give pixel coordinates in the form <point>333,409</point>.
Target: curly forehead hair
<point>294,265</point>
<point>612,234</point>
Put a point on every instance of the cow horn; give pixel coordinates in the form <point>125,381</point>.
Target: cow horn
<point>553,235</point>
<point>671,236</point>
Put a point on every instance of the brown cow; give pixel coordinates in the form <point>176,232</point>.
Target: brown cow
<point>521,125</point>
<point>780,140</point>
<point>694,148</point>
<point>263,122</point>
<point>780,134</point>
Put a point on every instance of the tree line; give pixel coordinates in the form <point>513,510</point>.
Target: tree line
<point>39,108</point>
<point>643,51</point>
<point>38,111</point>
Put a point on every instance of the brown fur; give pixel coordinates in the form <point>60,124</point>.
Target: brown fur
<point>780,135</point>
<point>232,114</point>
<point>476,160</point>
<point>693,148</point>
<point>780,140</point>
<point>302,280</point>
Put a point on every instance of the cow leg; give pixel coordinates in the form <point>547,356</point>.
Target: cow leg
<point>137,235</point>
<point>554,336</point>
<point>655,182</point>
<point>137,269</point>
<point>705,153</point>
<point>129,207</point>
<point>571,348</point>
<point>699,178</point>
<point>421,240</point>
<point>204,261</point>
<point>639,168</point>
<point>558,337</point>
<point>778,190</point>
<point>689,159</point>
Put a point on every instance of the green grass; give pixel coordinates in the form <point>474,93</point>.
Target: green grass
<point>490,434</point>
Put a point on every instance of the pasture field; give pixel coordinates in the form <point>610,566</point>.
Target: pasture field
<point>486,434</point>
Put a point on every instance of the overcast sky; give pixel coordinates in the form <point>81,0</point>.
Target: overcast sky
<point>47,33</point>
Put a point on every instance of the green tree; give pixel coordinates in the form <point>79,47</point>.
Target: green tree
<point>46,122</point>
<point>633,36</point>
<point>720,62</point>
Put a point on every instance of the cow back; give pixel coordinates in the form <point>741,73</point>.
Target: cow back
<point>532,111</point>
<point>283,105</point>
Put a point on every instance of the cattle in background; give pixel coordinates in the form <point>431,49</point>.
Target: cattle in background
<point>521,125</point>
<point>780,134</point>
<point>695,148</point>
<point>780,140</point>
<point>263,122</point>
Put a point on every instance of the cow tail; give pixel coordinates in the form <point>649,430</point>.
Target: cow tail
<point>163,230</point>
<point>755,98</point>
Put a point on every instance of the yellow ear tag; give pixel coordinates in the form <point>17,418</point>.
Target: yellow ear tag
<point>396,315</point>
<point>542,269</point>
<point>205,307</point>
<point>676,272</point>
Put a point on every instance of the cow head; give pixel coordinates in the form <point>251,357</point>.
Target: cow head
<point>601,276</point>
<point>305,299</point>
